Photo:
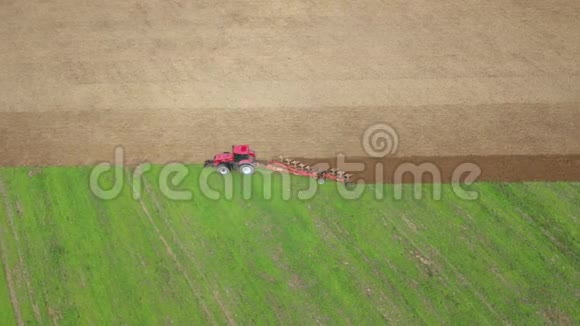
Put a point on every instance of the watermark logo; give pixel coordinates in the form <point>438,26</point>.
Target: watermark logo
<point>379,141</point>
<point>107,193</point>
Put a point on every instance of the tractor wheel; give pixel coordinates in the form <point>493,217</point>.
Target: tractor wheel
<point>223,169</point>
<point>246,169</point>
<point>321,181</point>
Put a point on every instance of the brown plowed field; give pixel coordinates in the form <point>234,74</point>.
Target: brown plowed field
<point>497,84</point>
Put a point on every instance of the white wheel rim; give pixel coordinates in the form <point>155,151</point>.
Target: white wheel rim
<point>223,170</point>
<point>246,170</point>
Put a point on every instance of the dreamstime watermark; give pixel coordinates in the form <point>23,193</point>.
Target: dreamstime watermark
<point>379,141</point>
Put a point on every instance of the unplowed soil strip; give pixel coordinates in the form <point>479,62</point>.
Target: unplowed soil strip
<point>496,168</point>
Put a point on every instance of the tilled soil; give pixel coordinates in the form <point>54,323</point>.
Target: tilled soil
<point>180,80</point>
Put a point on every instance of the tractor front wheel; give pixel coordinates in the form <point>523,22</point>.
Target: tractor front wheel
<point>223,169</point>
<point>246,169</point>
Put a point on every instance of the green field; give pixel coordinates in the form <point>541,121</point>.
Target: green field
<point>68,257</point>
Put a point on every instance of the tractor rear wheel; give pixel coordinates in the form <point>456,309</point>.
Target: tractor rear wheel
<point>223,169</point>
<point>246,169</point>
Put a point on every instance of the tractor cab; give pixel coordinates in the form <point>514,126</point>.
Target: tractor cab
<point>242,153</point>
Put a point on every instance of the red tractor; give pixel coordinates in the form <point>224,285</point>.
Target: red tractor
<point>242,158</point>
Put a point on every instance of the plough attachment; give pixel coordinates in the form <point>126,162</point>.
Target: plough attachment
<point>288,165</point>
<point>243,159</point>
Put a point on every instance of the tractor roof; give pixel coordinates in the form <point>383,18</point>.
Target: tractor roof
<point>241,149</point>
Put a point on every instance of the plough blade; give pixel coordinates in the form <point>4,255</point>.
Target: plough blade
<point>300,168</point>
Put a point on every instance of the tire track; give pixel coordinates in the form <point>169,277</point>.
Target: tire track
<point>7,272</point>
<point>392,315</point>
<point>182,247</point>
<point>459,275</point>
<point>23,269</point>
<point>178,263</point>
